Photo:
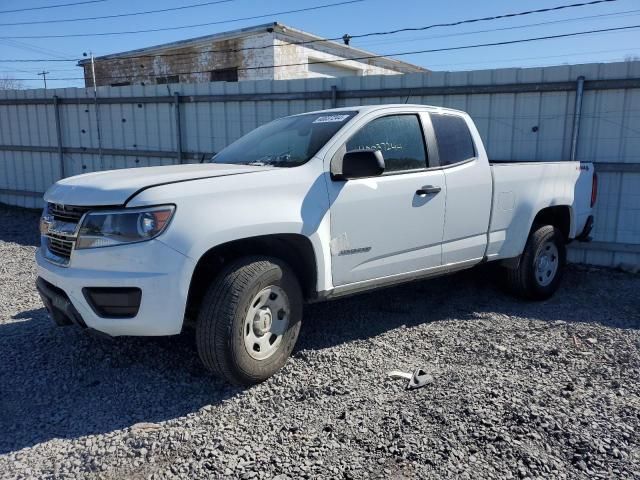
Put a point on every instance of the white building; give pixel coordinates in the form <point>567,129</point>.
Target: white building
<point>271,51</point>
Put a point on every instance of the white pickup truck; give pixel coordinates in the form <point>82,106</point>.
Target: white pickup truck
<point>305,208</point>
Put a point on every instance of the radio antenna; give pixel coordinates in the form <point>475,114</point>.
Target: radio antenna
<point>407,99</point>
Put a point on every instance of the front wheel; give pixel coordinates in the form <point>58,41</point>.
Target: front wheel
<point>249,320</point>
<point>539,270</point>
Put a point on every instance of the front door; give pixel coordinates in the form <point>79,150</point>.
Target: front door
<point>390,224</point>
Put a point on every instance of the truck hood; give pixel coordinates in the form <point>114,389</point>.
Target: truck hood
<point>115,187</point>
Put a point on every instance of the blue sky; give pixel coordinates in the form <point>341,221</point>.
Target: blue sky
<point>356,18</point>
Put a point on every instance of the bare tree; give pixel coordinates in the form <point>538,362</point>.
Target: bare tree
<point>632,58</point>
<point>8,83</point>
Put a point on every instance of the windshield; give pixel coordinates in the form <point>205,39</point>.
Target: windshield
<point>286,142</point>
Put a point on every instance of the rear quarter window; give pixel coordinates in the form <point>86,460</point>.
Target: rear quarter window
<point>455,143</point>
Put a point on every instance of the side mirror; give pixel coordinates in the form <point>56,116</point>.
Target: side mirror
<point>360,164</point>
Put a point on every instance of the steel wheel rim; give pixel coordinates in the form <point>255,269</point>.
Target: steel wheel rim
<point>266,322</point>
<point>546,263</point>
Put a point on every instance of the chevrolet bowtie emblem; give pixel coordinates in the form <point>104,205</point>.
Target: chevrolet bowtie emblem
<point>51,226</point>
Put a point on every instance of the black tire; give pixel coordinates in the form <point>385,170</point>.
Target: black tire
<point>220,329</point>
<point>525,280</point>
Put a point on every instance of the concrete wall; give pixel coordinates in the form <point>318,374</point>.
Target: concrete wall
<point>248,53</point>
<point>192,64</point>
<point>522,114</point>
<point>302,54</point>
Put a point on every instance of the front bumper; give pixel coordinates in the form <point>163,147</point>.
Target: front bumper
<point>58,304</point>
<point>160,272</point>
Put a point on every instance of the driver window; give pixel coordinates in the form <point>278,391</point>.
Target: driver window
<point>398,137</point>
<point>284,146</point>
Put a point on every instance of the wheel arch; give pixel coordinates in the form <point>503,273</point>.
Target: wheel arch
<point>559,216</point>
<point>294,249</point>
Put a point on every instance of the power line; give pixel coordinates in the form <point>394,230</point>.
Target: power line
<point>495,17</point>
<point>74,70</point>
<point>408,29</point>
<point>306,42</point>
<point>34,48</point>
<point>432,50</point>
<point>427,27</point>
<point>219,22</point>
<point>13,70</point>
<point>503,60</point>
<point>473,32</point>
<point>397,54</point>
<point>28,60</point>
<point>384,33</point>
<point>119,15</point>
<point>52,6</point>
<point>462,47</point>
<point>571,54</point>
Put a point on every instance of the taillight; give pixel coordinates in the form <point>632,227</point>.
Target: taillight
<point>594,189</point>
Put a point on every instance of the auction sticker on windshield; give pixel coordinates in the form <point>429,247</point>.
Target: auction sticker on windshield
<point>331,118</point>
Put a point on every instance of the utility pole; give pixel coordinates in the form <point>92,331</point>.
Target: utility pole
<point>44,77</point>
<point>93,73</point>
<point>97,105</point>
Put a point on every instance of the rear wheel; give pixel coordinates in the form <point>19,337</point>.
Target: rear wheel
<point>539,270</point>
<point>249,320</point>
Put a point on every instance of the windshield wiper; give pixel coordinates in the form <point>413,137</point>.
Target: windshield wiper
<point>264,161</point>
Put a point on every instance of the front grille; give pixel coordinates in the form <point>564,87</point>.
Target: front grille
<point>66,213</point>
<point>60,245</point>
<point>59,240</point>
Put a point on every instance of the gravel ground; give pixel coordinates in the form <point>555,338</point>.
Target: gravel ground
<point>546,390</point>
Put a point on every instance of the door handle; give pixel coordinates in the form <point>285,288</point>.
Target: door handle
<point>428,190</point>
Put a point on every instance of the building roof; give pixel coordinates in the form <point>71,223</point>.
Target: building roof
<point>280,28</point>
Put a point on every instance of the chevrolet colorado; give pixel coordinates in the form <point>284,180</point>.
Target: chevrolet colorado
<point>305,208</point>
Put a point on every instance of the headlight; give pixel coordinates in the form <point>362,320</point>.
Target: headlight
<point>108,228</point>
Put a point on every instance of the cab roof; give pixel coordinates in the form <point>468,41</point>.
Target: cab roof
<point>372,108</point>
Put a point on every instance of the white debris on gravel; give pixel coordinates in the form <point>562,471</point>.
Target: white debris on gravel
<point>519,390</point>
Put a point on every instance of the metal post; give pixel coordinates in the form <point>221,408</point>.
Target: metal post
<point>334,96</point>
<point>56,108</point>
<point>576,118</point>
<point>178,133</point>
<point>95,98</point>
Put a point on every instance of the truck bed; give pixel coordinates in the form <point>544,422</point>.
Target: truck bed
<point>523,188</point>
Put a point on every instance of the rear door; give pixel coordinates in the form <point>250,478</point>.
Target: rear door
<point>469,189</point>
<point>387,225</point>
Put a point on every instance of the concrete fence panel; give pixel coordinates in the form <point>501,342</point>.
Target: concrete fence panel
<point>522,114</point>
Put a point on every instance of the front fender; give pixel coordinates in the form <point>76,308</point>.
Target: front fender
<point>211,212</point>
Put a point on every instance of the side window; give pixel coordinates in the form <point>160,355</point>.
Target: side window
<point>168,79</point>
<point>398,137</point>
<point>224,75</point>
<point>454,139</point>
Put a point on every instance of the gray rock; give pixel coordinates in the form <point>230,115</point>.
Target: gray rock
<point>514,397</point>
